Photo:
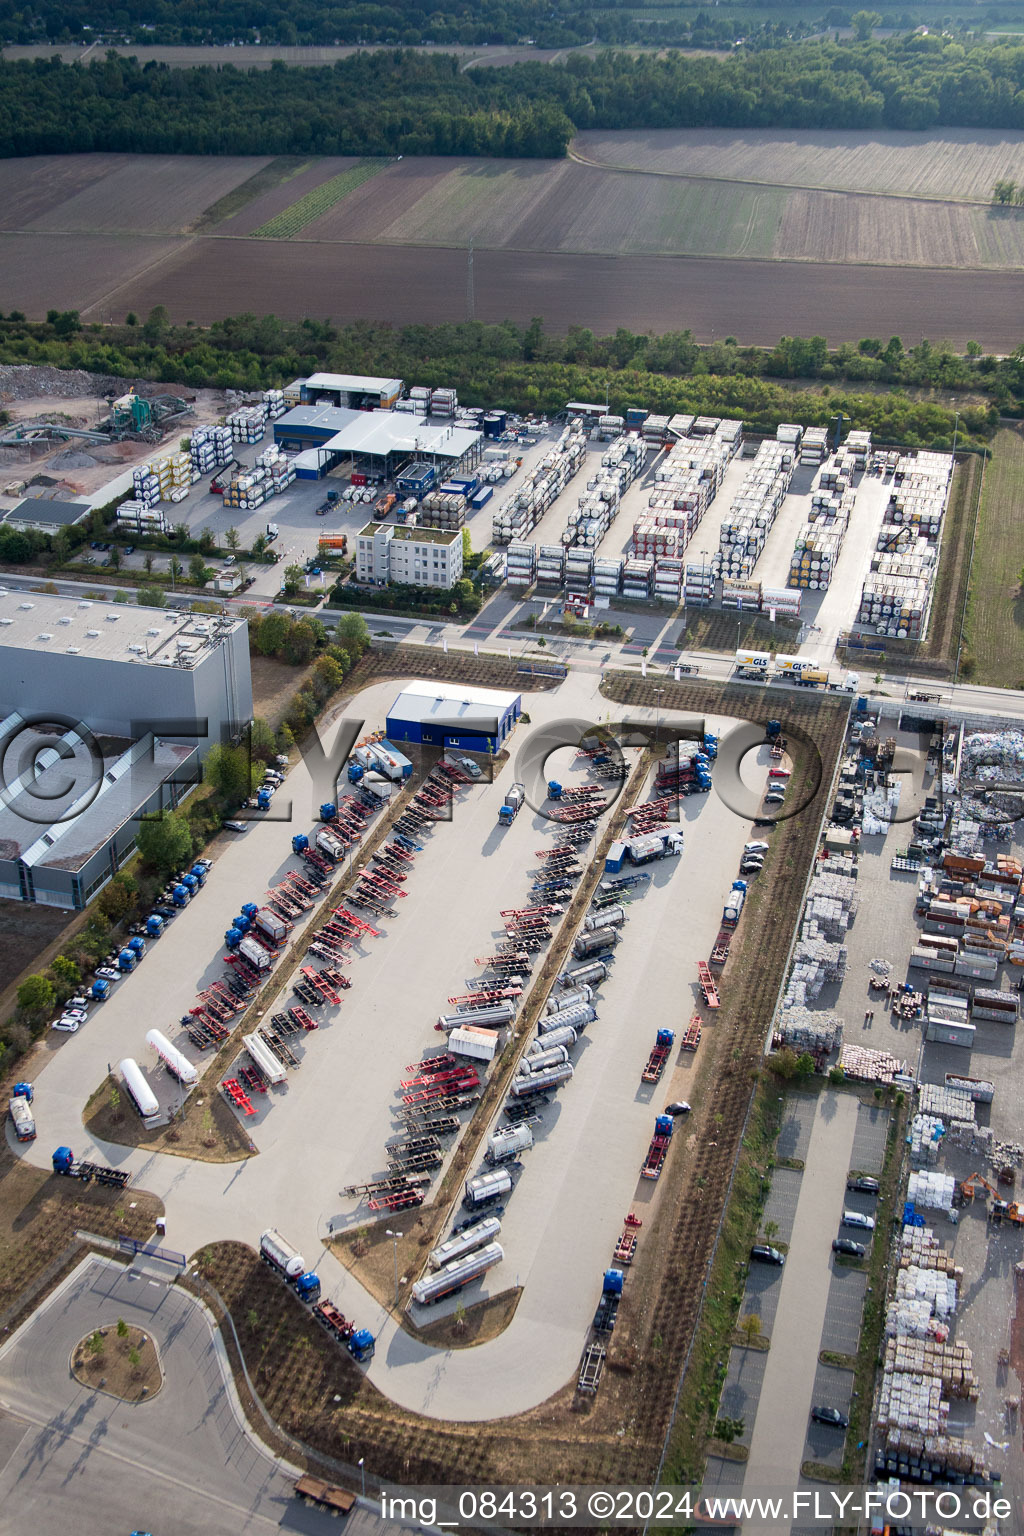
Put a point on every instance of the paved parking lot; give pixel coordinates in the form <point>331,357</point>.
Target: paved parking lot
<point>846,1292</point>
<point>73,1458</point>
<point>833,1388</point>
<point>797,1121</point>
<point>783,1197</point>
<point>869,1141</point>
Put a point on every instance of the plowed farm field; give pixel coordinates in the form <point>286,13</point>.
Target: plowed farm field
<point>100,194</point>
<point>674,238</point>
<point>957,164</point>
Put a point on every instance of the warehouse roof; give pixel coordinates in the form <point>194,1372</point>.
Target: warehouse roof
<point>110,781</point>
<point>39,621</point>
<point>331,418</point>
<point>384,432</point>
<point>43,513</point>
<point>355,382</point>
<point>451,701</point>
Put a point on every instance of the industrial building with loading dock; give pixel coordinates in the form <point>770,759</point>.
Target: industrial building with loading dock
<point>124,671</point>
<point>376,443</point>
<point>452,715</point>
<point>421,557</point>
<point>105,715</point>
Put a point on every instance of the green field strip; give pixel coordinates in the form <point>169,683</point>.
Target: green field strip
<point>321,200</point>
<point>272,175</point>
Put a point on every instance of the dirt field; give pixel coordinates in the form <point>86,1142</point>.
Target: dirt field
<point>960,164</point>
<point>754,301</point>
<point>107,194</point>
<point>823,226</point>
<point>27,931</point>
<point>305,178</point>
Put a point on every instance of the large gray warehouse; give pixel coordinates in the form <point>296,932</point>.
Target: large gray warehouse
<point>105,715</point>
<point>124,671</point>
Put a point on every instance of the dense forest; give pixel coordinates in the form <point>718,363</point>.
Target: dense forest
<point>879,384</point>
<point>469,23</point>
<point>403,102</point>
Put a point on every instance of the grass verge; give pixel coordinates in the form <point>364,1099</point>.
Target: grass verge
<point>994,632</point>
<point>702,1388</point>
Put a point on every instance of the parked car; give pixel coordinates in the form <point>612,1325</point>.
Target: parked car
<point>229,559</point>
<point>847,1246</point>
<point>863,1185</point>
<point>774,797</point>
<point>108,973</point>
<point>129,549</point>
<point>78,1014</point>
<point>66,1025</point>
<point>756,847</point>
<point>831,1416</point>
<point>473,769</point>
<point>236,826</point>
<point>858,1219</point>
<point>95,544</point>
<point>761,1253</point>
<point>680,1107</point>
<point>751,866</point>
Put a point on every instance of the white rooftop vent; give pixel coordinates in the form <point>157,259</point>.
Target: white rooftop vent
<point>138,650</point>
<point>93,634</point>
<point>152,631</point>
<point>44,636</point>
<point>6,621</point>
<point>72,650</point>
<point>85,605</point>
<point>64,619</point>
<point>112,618</point>
<point>24,607</point>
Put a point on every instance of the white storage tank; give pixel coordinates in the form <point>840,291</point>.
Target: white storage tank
<point>138,1090</point>
<point>178,1065</point>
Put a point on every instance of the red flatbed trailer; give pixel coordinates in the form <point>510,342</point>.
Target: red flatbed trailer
<point>656,1063</point>
<point>691,1037</point>
<point>656,1155</point>
<point>707,984</point>
<point>625,1248</point>
<point>720,951</point>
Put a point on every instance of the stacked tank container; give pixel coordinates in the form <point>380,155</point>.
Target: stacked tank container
<point>521,564</point>
<point>579,571</point>
<point>655,430</point>
<point>607,578</point>
<point>815,555</point>
<point>524,510</point>
<point>699,584</point>
<point>273,399</point>
<point>210,447</point>
<point>668,580</point>
<point>550,565</point>
<point>280,469</point>
<point>637,578</point>
<point>814,446</point>
<point>754,509</point>
<point>443,402</point>
<point>248,424</point>
<point>780,601</point>
<point>442,509</point>
<point>896,605</point>
<point>741,593</point>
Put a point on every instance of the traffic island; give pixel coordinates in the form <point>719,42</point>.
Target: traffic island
<point>120,1360</point>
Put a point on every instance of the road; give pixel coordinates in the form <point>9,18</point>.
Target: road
<point>73,1458</point>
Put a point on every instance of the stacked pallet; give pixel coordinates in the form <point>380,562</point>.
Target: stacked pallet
<point>805,1030</point>
<point>947,1103</point>
<point>919,1246</point>
<point>931,1191</point>
<point>911,1318</point>
<point>911,1401</point>
<point>944,1455</point>
<point>926,1133</point>
<point>929,1285</point>
<point>868,1066</point>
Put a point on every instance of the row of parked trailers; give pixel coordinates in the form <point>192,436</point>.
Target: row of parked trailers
<point>473,1249</point>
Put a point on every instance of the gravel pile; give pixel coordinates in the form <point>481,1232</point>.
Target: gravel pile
<point>73,458</point>
<point>26,381</point>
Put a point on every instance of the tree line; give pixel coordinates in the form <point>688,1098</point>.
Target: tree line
<point>404,102</point>
<point>526,367</point>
